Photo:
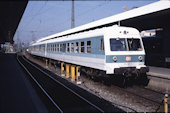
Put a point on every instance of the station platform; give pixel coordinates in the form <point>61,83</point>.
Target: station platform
<point>159,72</point>
<point>16,92</point>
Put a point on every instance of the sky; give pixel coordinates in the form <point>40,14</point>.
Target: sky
<point>44,18</point>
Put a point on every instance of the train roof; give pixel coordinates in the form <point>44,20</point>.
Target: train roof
<point>93,33</point>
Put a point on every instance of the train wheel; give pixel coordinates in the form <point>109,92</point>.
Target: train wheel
<point>142,80</point>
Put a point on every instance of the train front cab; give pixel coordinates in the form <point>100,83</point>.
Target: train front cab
<point>125,56</point>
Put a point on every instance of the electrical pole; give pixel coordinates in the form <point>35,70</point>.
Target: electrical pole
<point>72,15</point>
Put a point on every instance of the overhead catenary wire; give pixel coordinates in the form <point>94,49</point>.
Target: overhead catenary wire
<point>40,12</point>
<point>82,14</point>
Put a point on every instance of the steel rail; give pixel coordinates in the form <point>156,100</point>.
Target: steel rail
<point>39,85</point>
<point>65,86</point>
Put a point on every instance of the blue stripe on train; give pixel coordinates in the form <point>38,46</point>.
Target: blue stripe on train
<point>80,55</point>
<point>121,58</point>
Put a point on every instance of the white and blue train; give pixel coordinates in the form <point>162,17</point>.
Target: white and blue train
<point>113,50</point>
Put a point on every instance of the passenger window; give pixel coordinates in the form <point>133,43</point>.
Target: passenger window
<point>61,47</point>
<point>58,47</point>
<point>51,47</point>
<point>72,47</point>
<point>68,47</point>
<point>55,47</point>
<point>77,47</point>
<point>102,44</point>
<point>88,46</point>
<point>64,47</point>
<point>82,47</point>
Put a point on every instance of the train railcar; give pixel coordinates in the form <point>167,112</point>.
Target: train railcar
<point>113,50</point>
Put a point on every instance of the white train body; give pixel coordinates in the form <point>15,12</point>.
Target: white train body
<point>111,49</point>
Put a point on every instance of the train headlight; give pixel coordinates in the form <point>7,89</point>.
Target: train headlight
<point>140,58</point>
<point>114,58</point>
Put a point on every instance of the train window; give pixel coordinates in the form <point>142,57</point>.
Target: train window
<point>64,48</point>
<point>49,47</point>
<point>68,47</point>
<point>118,44</point>
<point>134,44</point>
<point>88,47</point>
<point>77,47</point>
<point>54,47</point>
<point>61,47</point>
<point>82,47</point>
<point>102,44</point>
<point>58,47</point>
<point>72,47</point>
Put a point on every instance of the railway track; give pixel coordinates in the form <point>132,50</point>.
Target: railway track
<point>149,95</point>
<point>145,93</point>
<point>62,97</point>
<point>141,92</point>
<point>139,95</point>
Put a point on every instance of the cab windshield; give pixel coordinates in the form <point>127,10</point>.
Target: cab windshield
<point>125,44</point>
<point>134,44</point>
